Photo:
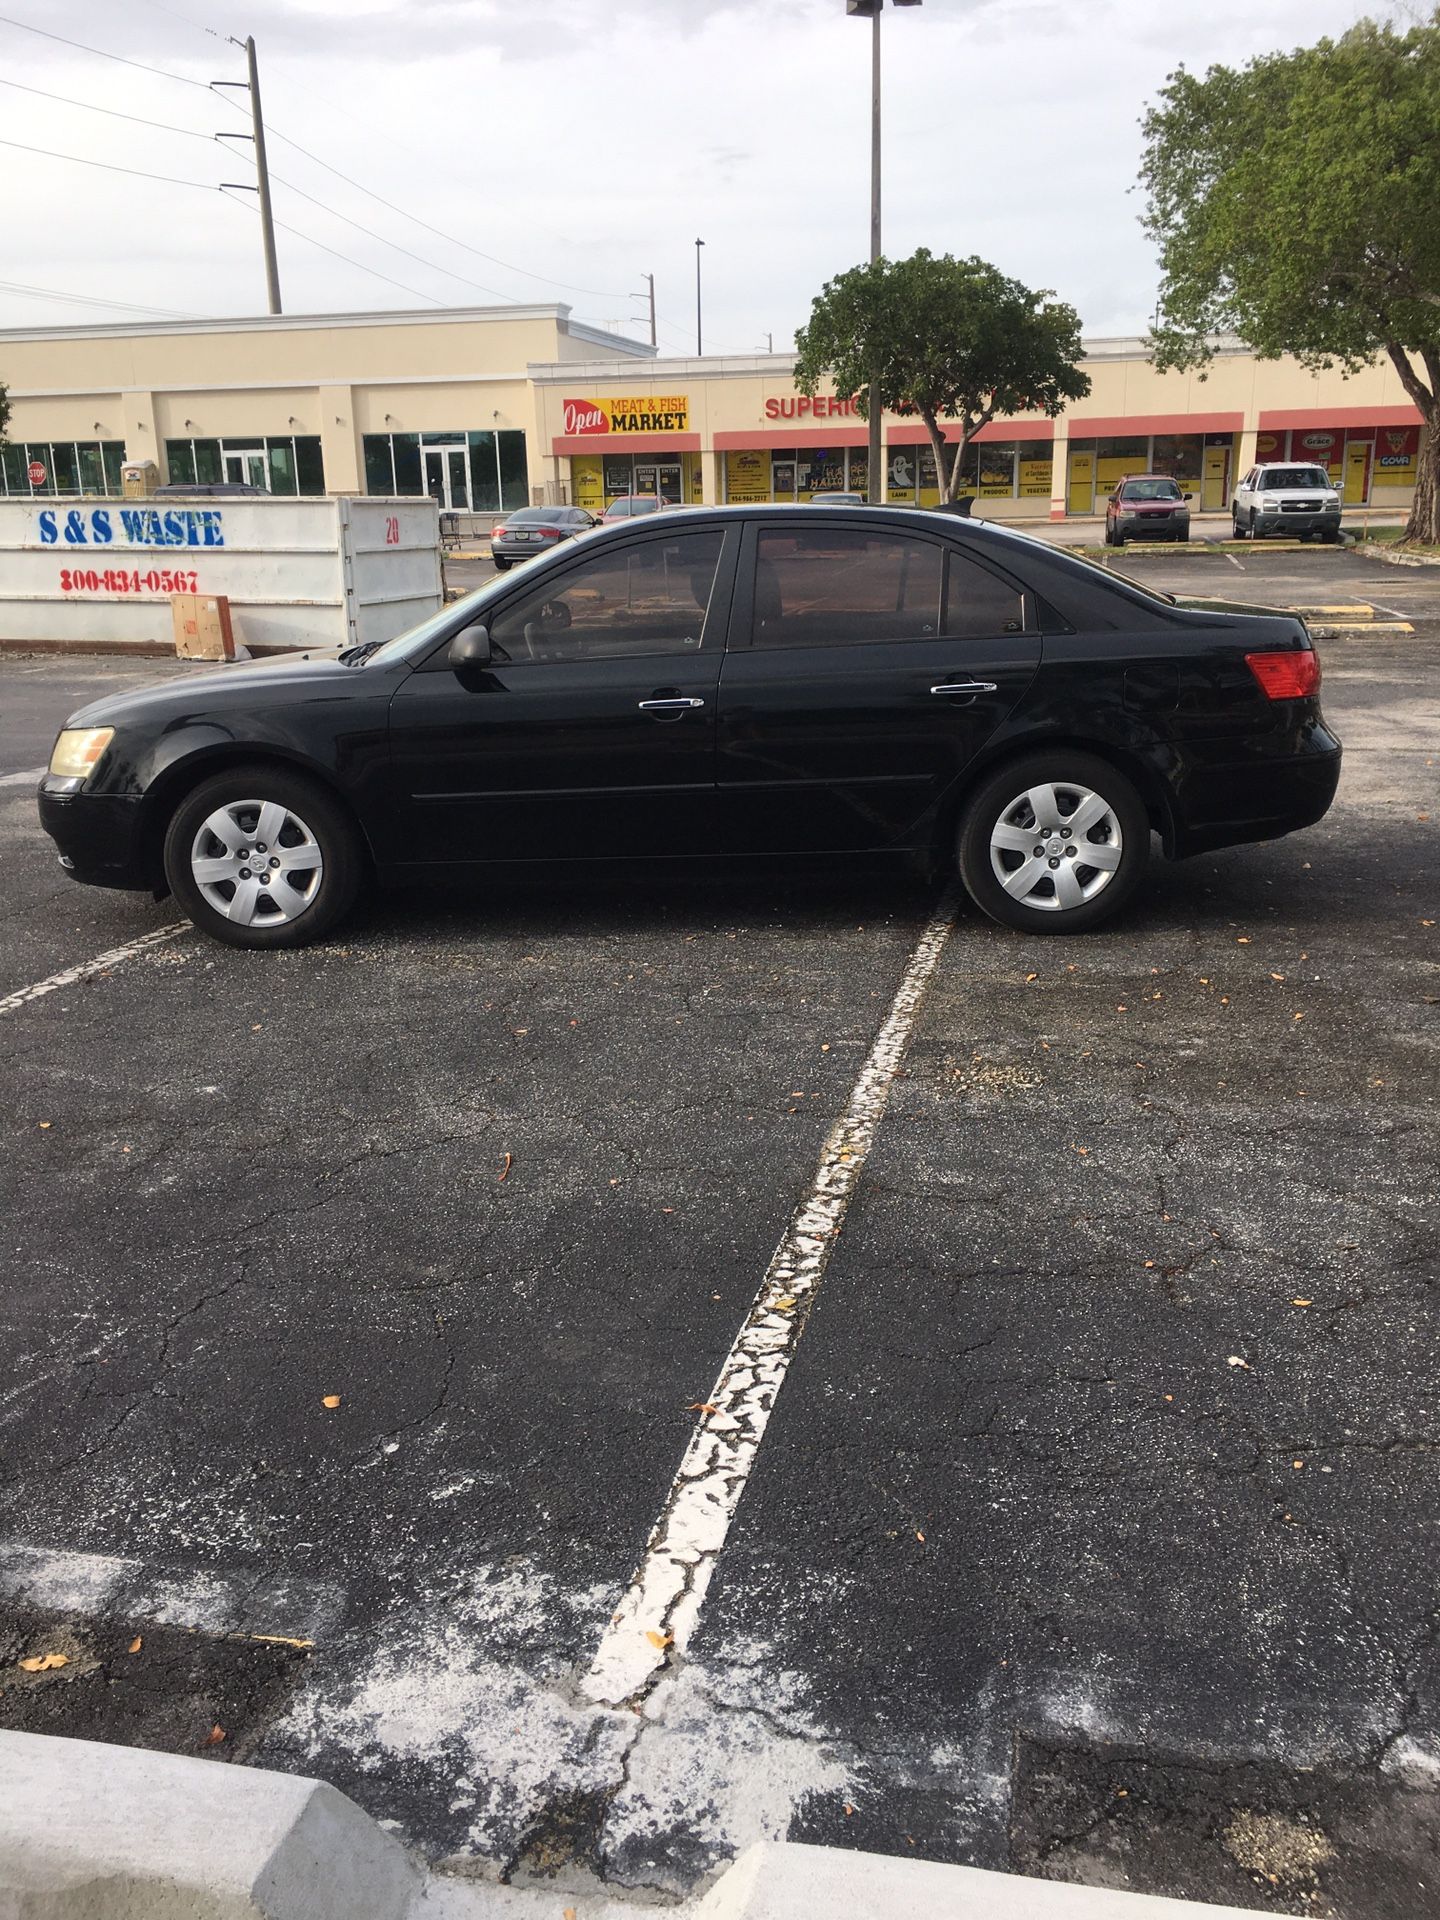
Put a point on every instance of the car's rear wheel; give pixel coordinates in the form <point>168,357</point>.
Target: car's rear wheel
<point>501,566</point>
<point>262,857</point>
<point>1054,843</point>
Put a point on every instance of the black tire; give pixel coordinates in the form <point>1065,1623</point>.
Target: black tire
<point>1004,792</point>
<point>315,823</point>
<point>1235,527</point>
<point>1109,536</point>
<point>1331,536</point>
<point>502,566</point>
<point>1119,539</point>
<point>1253,534</point>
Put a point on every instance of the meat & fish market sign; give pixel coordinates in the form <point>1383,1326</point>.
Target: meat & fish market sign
<point>627,413</point>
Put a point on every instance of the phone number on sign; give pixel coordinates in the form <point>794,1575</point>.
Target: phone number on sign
<point>117,580</point>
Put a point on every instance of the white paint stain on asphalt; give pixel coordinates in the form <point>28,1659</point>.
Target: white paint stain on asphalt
<point>25,779</point>
<point>657,1616</point>
<point>102,963</point>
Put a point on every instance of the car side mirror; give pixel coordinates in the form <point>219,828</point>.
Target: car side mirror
<point>470,648</point>
<point>1189,496</point>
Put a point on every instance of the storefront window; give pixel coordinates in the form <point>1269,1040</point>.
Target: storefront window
<point>281,463</point>
<point>69,467</point>
<point>997,471</point>
<point>859,471</point>
<point>481,470</point>
<point>379,469</point>
<point>819,470</point>
<point>1181,456</point>
<point>1034,467</point>
<point>1115,458</point>
<point>514,470</point>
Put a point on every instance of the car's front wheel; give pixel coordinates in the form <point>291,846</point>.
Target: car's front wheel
<point>1054,843</point>
<point>262,857</point>
<point>1254,534</point>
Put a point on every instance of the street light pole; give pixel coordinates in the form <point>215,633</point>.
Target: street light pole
<point>875,479</point>
<point>698,349</point>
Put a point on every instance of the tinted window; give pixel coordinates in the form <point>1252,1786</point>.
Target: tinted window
<point>1296,477</point>
<point>646,597</point>
<point>831,586</point>
<point>536,517</point>
<point>978,602</point>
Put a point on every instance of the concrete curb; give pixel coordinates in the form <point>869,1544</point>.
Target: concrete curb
<point>1372,550</point>
<point>96,1832</point>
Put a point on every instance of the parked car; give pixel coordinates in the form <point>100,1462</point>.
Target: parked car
<point>1147,506</point>
<point>896,683</point>
<point>531,530</point>
<point>209,490</point>
<point>631,506</point>
<point>1287,497</point>
<point>837,499</point>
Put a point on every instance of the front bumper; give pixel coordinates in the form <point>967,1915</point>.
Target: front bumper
<point>1150,526</point>
<point>1316,522</point>
<point>99,837</point>
<point>1279,785</point>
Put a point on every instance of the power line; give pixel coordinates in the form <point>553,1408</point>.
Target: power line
<point>45,34</point>
<point>361,228</point>
<point>114,112</point>
<point>545,279</point>
<point>137,173</point>
<point>358,264</point>
<point>86,300</point>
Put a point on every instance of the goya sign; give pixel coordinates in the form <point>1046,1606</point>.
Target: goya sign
<point>629,413</point>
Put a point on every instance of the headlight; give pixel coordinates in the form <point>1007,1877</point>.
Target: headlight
<point>77,752</point>
<point>1270,504</point>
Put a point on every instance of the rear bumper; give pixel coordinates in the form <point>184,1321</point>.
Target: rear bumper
<point>98,837</point>
<point>1274,790</point>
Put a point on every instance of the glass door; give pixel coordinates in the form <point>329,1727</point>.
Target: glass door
<point>447,477</point>
<point>670,482</point>
<point>248,466</point>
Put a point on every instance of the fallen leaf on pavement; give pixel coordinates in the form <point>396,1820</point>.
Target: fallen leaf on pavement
<point>44,1662</point>
<point>44,1124</point>
<point>1236,1361</point>
<point>702,1406</point>
<point>784,1303</point>
<point>1299,1302</point>
<point>135,1645</point>
<point>215,1735</point>
<point>920,1536</point>
<point>331,1400</point>
<point>661,1640</point>
<point>505,1170</point>
<point>1243,940</point>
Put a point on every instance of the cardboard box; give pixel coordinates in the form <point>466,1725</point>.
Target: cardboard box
<point>202,626</point>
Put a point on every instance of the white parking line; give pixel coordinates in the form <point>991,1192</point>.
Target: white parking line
<point>28,778</point>
<point>661,1606</point>
<point>24,995</point>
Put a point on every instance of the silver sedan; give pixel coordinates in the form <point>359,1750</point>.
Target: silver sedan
<point>532,530</point>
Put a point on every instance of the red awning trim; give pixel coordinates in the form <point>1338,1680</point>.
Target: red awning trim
<point>625,443</point>
<point>1278,419</point>
<point>1120,426</point>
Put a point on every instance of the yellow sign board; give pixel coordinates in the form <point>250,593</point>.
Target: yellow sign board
<point>1035,479</point>
<point>586,483</point>
<point>747,475</point>
<point>627,413</point>
<point>1081,495</point>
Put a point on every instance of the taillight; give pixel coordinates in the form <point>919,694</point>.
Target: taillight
<point>1286,676</point>
<point>548,533</point>
<point>495,532</point>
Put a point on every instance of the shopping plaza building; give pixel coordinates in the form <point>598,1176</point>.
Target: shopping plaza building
<point>491,408</point>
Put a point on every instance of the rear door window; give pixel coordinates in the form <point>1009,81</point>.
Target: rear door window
<point>837,586</point>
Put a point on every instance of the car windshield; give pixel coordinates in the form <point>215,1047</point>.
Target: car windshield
<point>1295,477</point>
<point>1150,490</point>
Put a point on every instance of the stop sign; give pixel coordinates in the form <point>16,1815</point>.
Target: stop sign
<point>37,473</point>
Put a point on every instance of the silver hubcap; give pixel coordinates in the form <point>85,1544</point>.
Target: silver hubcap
<point>1056,846</point>
<point>257,863</point>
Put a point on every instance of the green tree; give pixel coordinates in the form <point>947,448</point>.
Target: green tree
<point>945,339</point>
<point>1296,202</point>
<point>4,412</point>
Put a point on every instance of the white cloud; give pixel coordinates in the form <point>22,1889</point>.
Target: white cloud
<point>593,140</point>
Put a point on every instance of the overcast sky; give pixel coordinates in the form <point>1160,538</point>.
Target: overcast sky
<point>589,142</point>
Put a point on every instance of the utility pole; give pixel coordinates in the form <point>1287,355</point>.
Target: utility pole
<point>262,168</point>
<point>698,350</point>
<point>875,477</point>
<point>651,279</point>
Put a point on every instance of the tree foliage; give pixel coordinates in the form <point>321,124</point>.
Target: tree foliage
<point>4,412</point>
<point>1296,202</point>
<point>945,339</point>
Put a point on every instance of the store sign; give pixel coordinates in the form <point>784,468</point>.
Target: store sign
<point>628,413</point>
<point>802,406</point>
<point>131,527</point>
<point>1396,450</point>
<point>747,476</point>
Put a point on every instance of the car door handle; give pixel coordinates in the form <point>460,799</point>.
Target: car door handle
<point>679,704</point>
<point>965,686</point>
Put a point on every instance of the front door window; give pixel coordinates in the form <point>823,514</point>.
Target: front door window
<point>648,598</point>
<point>248,467</point>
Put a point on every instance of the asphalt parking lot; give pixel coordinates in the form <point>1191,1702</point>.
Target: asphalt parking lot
<point>1095,1532</point>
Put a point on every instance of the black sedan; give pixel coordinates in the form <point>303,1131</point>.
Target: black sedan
<point>772,680</point>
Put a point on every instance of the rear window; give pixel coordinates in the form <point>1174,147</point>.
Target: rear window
<point>534,517</point>
<point>1294,477</point>
<point>841,586</point>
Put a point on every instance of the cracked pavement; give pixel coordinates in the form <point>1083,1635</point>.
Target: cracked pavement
<point>1094,1533</point>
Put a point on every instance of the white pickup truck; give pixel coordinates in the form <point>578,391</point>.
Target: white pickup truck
<point>1289,498</point>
